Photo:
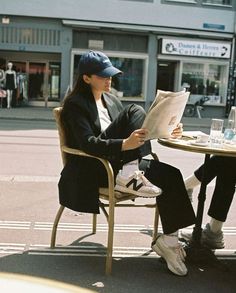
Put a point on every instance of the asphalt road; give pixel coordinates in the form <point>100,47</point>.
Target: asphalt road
<point>30,165</point>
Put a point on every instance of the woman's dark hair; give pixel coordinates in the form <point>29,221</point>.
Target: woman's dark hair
<point>80,87</point>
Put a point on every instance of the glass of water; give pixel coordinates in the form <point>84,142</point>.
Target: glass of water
<point>216,134</point>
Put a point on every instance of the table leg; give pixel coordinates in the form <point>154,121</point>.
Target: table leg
<point>196,252</point>
<point>197,231</point>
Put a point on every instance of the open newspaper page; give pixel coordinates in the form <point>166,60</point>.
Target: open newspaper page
<point>165,113</point>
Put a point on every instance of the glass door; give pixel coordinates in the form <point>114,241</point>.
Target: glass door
<point>54,80</point>
<point>166,75</point>
<point>37,81</point>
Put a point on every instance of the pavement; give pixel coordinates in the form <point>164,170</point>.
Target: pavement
<point>79,257</point>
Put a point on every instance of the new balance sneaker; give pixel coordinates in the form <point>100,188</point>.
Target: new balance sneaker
<point>209,239</point>
<point>174,256</point>
<point>136,184</point>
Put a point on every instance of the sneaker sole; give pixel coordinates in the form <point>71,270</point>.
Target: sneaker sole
<point>134,192</point>
<point>159,252</point>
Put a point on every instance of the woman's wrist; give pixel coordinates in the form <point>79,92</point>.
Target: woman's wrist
<point>124,143</point>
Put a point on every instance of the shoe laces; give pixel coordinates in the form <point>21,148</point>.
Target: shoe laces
<point>181,254</point>
<point>139,175</point>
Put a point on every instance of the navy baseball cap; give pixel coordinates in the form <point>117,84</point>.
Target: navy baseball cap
<point>95,62</point>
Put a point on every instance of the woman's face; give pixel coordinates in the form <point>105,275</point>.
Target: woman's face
<point>99,84</point>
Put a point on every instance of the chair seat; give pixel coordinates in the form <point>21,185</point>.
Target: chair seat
<point>120,196</point>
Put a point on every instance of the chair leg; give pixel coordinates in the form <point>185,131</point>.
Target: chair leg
<point>55,224</point>
<point>94,223</point>
<point>155,226</point>
<point>110,239</point>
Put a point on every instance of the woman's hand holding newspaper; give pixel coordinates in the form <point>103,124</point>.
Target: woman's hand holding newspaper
<point>178,131</point>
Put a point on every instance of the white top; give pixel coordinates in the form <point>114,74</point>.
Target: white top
<point>104,117</point>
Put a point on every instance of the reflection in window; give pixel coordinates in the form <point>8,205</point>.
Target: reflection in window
<point>205,79</point>
<point>130,84</point>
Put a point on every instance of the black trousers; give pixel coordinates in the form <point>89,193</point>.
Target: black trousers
<point>224,169</point>
<point>174,206</point>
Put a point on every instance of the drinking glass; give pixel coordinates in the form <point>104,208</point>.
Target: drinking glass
<point>216,134</point>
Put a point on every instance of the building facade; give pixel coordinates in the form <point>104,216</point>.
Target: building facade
<point>158,44</point>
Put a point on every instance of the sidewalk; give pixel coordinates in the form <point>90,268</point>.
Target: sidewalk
<point>45,114</point>
<point>27,113</point>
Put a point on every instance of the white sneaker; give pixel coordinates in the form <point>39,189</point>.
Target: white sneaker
<point>209,239</point>
<point>136,184</point>
<point>174,256</point>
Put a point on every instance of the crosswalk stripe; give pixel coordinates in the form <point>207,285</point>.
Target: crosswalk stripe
<point>83,227</point>
<point>42,249</point>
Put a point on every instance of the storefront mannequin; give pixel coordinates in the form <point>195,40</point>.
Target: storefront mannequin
<point>10,76</point>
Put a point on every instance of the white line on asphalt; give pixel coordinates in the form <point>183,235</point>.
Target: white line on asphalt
<point>21,178</point>
<point>42,249</point>
<point>68,226</point>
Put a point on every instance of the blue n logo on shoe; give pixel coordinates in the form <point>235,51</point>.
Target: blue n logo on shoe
<point>135,186</point>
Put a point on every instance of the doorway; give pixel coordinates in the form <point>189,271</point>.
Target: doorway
<point>166,75</point>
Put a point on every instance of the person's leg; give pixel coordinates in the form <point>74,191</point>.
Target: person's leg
<point>192,181</point>
<point>175,212</point>
<point>174,206</point>
<point>225,170</point>
<point>214,165</point>
<point>128,120</point>
<point>130,179</point>
<point>223,192</point>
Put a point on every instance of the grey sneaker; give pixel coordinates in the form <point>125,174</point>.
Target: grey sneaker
<point>209,239</point>
<point>174,256</point>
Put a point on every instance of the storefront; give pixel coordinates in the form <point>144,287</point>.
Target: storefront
<point>37,77</point>
<point>200,66</point>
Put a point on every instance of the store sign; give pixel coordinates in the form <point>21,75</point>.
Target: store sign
<point>195,48</point>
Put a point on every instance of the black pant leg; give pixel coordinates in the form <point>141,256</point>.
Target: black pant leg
<point>175,209</point>
<point>224,169</point>
<point>128,120</point>
<point>223,194</point>
<point>211,169</point>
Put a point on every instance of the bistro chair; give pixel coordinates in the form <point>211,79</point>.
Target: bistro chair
<point>109,199</point>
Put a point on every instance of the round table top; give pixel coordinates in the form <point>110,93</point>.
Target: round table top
<point>10,282</point>
<point>187,144</point>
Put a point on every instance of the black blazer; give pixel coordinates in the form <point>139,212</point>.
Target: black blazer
<point>78,185</point>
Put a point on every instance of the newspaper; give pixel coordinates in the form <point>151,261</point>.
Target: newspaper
<point>165,113</point>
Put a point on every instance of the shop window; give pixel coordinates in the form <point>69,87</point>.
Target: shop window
<point>183,1</point>
<point>54,80</point>
<point>205,80</point>
<point>130,84</point>
<point>218,2</point>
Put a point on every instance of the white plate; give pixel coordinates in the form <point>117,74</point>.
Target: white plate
<point>202,144</point>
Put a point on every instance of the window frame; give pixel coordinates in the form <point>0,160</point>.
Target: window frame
<point>197,60</point>
<point>116,54</point>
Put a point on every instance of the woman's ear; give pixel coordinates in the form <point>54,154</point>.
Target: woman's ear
<point>86,78</point>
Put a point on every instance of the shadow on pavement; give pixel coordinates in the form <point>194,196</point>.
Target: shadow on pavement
<point>129,274</point>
